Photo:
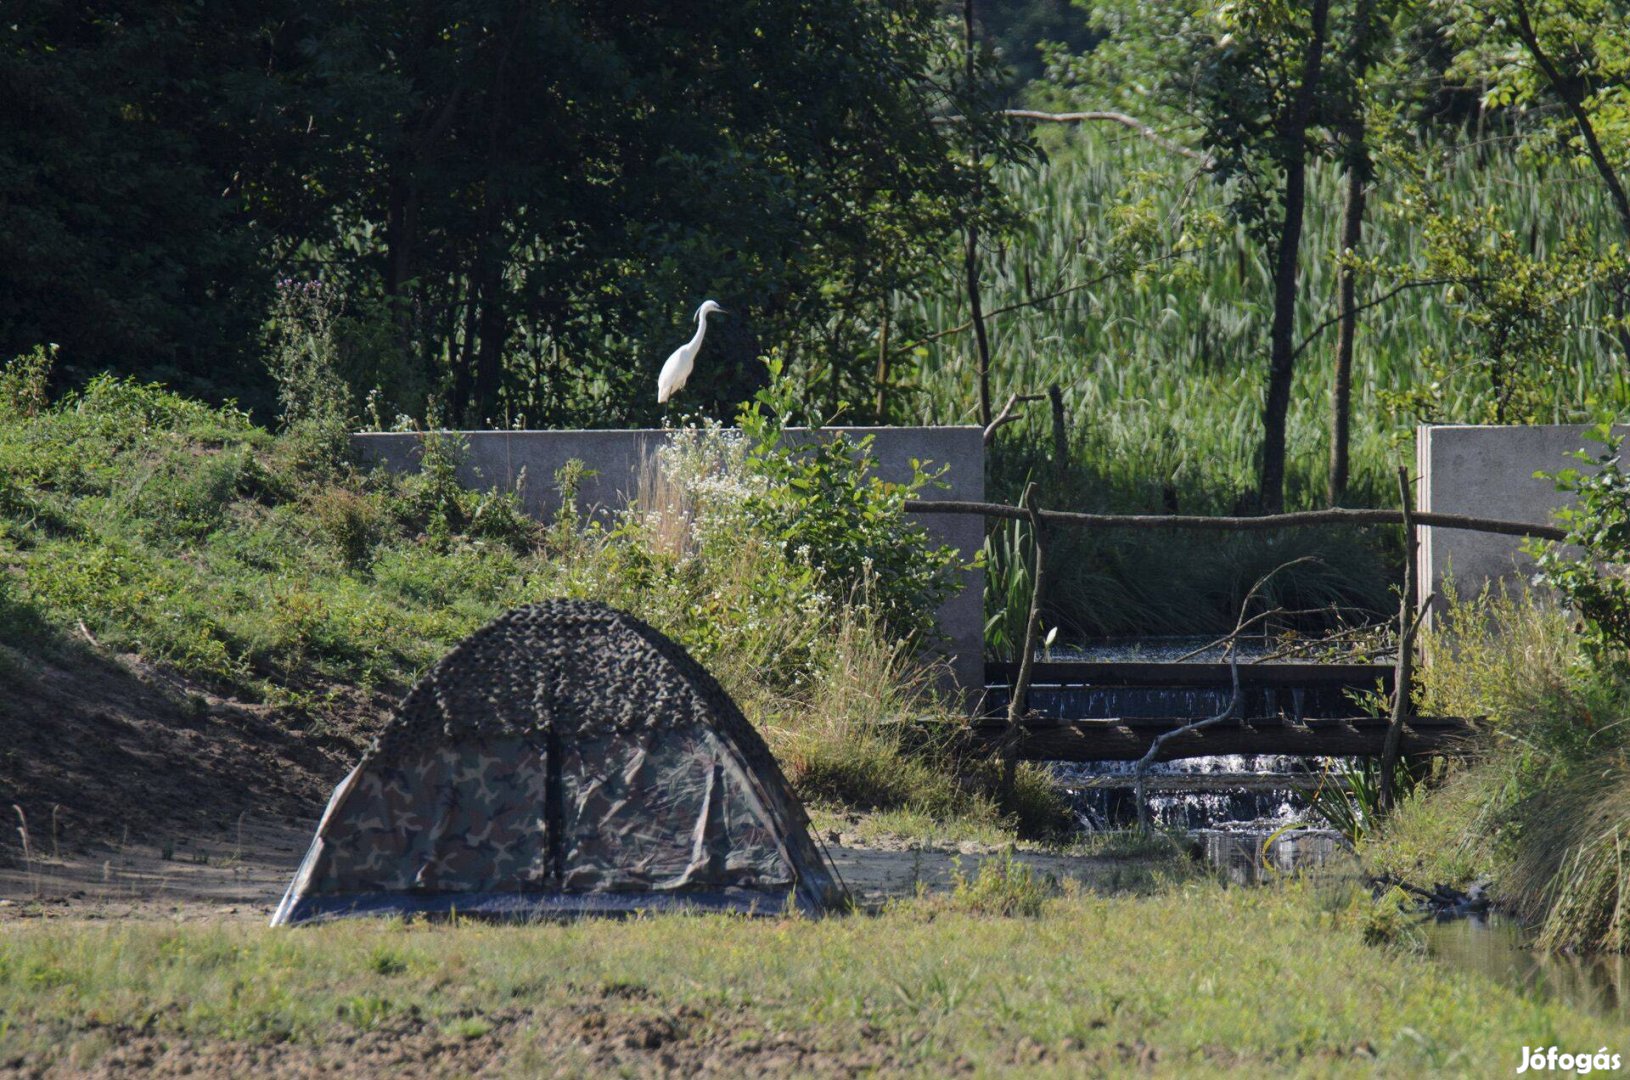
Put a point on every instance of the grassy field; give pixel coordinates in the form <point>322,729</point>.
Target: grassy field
<point>1191,979</point>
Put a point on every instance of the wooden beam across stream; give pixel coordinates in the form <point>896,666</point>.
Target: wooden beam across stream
<point>1155,673</point>
<point>1128,738</point>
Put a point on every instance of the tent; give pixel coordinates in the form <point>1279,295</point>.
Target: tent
<point>564,759</point>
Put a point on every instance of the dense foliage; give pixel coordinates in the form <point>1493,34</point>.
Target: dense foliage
<point>519,203</point>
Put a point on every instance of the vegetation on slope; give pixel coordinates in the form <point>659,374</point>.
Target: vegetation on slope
<point>263,568</point>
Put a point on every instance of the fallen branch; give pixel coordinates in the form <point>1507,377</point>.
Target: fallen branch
<point>1140,770</point>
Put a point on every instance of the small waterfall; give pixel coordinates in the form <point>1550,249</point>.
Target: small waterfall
<point>1235,794</point>
<point>1231,793</point>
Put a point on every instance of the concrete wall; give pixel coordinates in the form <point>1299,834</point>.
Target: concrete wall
<point>498,459</point>
<point>1487,471</point>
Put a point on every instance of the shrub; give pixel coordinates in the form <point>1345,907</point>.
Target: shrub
<point>23,381</point>
<point>1004,886</point>
<point>1594,584</point>
<point>303,357</point>
<point>821,498</point>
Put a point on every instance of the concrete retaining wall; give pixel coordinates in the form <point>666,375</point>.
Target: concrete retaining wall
<point>1487,471</point>
<point>498,459</point>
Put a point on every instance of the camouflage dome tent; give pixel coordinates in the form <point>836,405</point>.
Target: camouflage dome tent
<point>564,759</point>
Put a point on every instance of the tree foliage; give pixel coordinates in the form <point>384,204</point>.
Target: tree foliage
<point>521,202</point>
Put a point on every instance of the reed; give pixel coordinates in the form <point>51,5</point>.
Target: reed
<point>1163,368</point>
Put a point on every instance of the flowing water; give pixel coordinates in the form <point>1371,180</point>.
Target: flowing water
<point>1246,813</point>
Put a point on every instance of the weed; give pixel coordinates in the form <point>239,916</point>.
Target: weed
<point>1003,886</point>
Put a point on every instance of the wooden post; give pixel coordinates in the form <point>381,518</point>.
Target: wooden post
<point>1408,621</point>
<point>1019,692</point>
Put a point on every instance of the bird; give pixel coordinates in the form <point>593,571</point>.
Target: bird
<point>679,365</point>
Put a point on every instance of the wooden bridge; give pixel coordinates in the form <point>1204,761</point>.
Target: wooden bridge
<point>1270,721</point>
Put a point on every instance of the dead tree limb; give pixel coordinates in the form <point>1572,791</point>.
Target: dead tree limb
<point>1140,770</point>
<point>1333,516</point>
<point>1007,415</point>
<point>1131,123</point>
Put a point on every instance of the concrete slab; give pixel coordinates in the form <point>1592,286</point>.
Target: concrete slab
<point>1488,471</point>
<point>502,459</point>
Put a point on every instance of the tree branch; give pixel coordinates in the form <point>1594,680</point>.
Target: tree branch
<point>1335,516</point>
<point>1007,415</point>
<point>1530,42</point>
<point>1379,300</point>
<point>1036,301</point>
<point>1130,122</point>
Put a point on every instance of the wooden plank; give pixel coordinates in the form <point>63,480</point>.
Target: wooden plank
<point>1156,724</point>
<point>1129,741</point>
<point>1156,673</point>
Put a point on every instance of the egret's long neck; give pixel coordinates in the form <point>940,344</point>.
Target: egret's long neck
<point>701,328</point>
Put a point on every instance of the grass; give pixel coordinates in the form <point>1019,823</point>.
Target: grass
<point>1197,979</point>
<point>259,566</point>
<point>1540,806</point>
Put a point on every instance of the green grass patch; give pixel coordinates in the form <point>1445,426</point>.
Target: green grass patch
<point>264,567</point>
<point>1194,979</point>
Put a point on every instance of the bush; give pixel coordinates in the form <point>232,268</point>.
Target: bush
<point>1540,805</point>
<point>23,381</point>
<point>822,499</point>
<point>1004,886</point>
<point>1594,584</point>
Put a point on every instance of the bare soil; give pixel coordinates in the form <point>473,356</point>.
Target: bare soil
<point>103,757</point>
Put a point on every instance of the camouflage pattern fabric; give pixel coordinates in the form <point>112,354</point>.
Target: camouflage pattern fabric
<point>565,749</point>
<point>466,818</point>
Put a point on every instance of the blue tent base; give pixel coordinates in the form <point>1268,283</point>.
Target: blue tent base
<point>533,906</point>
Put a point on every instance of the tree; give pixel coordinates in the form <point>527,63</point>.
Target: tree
<point>521,201</point>
<point>1571,53</point>
<point>1245,81</point>
<point>144,181</point>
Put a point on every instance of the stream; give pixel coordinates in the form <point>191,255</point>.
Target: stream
<point>1248,816</point>
<point>1496,947</point>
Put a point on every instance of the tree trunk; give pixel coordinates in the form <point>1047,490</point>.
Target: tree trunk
<point>972,253</point>
<point>1282,359</point>
<point>978,316</point>
<point>1358,168</point>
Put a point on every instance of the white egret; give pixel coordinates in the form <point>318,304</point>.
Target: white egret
<point>679,365</point>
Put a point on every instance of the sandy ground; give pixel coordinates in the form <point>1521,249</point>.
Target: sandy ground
<point>241,875</point>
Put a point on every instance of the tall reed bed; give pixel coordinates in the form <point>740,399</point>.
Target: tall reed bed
<point>1163,367</point>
